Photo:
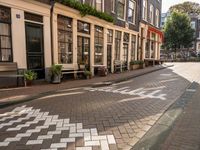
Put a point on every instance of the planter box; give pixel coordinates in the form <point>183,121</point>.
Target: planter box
<point>136,66</point>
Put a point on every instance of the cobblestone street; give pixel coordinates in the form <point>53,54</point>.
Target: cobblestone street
<point>90,118</point>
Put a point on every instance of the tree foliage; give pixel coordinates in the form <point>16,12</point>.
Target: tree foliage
<point>177,31</point>
<point>86,9</point>
<point>186,7</point>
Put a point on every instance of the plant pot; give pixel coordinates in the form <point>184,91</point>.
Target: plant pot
<point>29,82</point>
<point>56,79</point>
<point>87,77</point>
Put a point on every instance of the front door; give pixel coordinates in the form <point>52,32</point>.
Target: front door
<point>109,57</point>
<point>83,45</point>
<point>34,49</point>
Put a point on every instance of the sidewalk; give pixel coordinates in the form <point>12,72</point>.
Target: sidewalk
<point>15,95</point>
<point>178,128</point>
<point>186,132</point>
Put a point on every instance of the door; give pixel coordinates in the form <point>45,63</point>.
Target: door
<point>83,45</point>
<point>109,57</point>
<point>34,49</point>
<point>125,56</point>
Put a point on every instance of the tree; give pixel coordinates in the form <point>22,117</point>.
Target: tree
<point>186,7</point>
<point>178,32</point>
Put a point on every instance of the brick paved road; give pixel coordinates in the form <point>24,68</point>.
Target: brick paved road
<point>113,117</point>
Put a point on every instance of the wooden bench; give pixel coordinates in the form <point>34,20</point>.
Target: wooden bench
<point>117,66</point>
<point>10,70</point>
<point>73,70</point>
<point>120,65</point>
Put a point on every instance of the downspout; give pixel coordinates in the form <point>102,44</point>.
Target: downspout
<point>52,2</point>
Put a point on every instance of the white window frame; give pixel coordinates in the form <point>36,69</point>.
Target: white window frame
<point>134,15</point>
<point>102,5</point>
<point>123,19</point>
<point>157,16</point>
<point>151,14</point>
<point>144,10</point>
<point>113,5</point>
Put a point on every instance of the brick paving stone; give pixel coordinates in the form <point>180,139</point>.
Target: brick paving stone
<point>122,116</point>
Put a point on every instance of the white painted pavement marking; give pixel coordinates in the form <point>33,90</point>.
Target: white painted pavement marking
<point>90,136</point>
<point>60,94</point>
<point>142,92</point>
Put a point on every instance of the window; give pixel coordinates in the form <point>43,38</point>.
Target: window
<point>121,9</point>
<point>157,17</point>
<point>199,35</point>
<point>151,14</point>
<point>153,45</point>
<point>65,48</point>
<point>131,11</point>
<point>5,35</point>
<point>33,17</point>
<point>126,37</point>
<point>193,24</point>
<point>98,42</point>
<point>113,5</point>
<point>99,5</point>
<point>133,47</point>
<point>199,46</point>
<point>81,1</point>
<point>110,36</point>
<point>117,44</point>
<point>144,10</point>
<point>83,27</point>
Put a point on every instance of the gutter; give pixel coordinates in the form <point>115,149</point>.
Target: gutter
<point>52,3</point>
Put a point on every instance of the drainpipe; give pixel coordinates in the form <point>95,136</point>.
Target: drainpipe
<point>52,2</point>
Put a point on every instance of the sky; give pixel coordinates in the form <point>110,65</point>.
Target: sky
<point>166,4</point>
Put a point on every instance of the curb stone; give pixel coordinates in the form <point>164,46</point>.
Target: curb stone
<point>153,139</point>
<point>105,83</point>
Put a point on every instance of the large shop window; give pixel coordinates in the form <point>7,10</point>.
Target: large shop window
<point>153,45</point>
<point>110,36</point>
<point>65,47</point>
<point>133,47</point>
<point>121,9</point>
<point>83,27</point>
<point>117,44</point>
<point>98,41</point>
<point>5,35</point>
<point>131,11</point>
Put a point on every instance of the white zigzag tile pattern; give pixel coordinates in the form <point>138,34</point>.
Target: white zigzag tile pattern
<point>90,136</point>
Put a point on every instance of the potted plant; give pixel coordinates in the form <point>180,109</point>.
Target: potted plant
<point>136,64</point>
<point>87,74</point>
<point>102,71</point>
<point>55,73</point>
<point>29,76</point>
<point>82,65</point>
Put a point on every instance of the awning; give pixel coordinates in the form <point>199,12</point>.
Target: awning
<point>157,31</point>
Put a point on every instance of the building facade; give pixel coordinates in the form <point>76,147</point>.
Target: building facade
<point>195,24</point>
<point>39,33</point>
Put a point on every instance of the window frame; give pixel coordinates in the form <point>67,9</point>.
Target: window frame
<point>157,17</point>
<point>98,38</point>
<point>118,38</point>
<point>113,2</point>
<point>133,18</point>
<point>144,10</point>
<point>65,32</point>
<point>124,8</point>
<point>9,36</point>
<point>151,14</point>
<point>133,47</point>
